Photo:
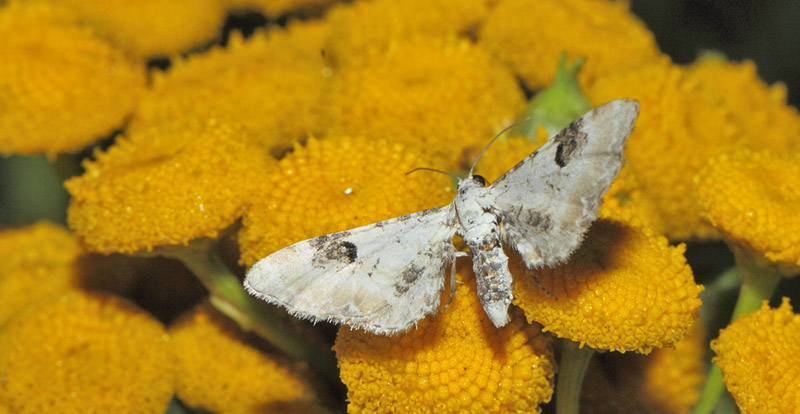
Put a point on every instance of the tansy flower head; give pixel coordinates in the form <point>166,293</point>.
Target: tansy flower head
<point>61,87</point>
<point>218,371</point>
<point>667,381</point>
<point>337,184</point>
<point>759,111</point>
<point>530,37</point>
<point>165,185</point>
<point>625,289</point>
<point>753,198</point>
<point>759,355</point>
<point>447,95</point>
<point>269,83</point>
<point>363,30</point>
<point>85,352</point>
<point>277,7</point>
<point>456,361</point>
<point>38,261</point>
<point>678,129</point>
<point>151,27</point>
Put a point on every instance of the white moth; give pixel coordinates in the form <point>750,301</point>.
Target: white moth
<point>386,276</point>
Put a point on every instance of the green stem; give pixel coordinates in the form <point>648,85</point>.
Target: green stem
<point>230,298</point>
<point>758,284</point>
<point>574,361</point>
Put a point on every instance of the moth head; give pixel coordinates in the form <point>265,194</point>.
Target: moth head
<point>477,179</point>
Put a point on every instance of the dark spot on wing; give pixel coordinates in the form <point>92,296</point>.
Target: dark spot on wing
<point>538,221</point>
<point>570,141</point>
<point>407,278</point>
<point>345,252</point>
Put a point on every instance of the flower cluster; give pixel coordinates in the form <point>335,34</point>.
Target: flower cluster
<point>316,124</point>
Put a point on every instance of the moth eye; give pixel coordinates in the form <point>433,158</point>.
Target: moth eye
<point>479,179</point>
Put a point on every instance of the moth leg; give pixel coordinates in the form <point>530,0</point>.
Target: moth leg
<point>453,280</point>
<point>544,289</point>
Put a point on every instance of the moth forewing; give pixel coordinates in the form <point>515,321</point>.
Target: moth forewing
<point>386,276</point>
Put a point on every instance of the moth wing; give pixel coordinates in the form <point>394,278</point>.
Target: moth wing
<point>382,278</point>
<point>547,202</point>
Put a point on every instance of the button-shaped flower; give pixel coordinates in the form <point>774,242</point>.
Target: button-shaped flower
<point>759,355</point>
<point>61,86</point>
<point>531,37</point>
<point>85,352</point>
<point>454,362</point>
<point>166,185</point>
<point>752,198</point>
<point>448,96</point>
<point>217,370</point>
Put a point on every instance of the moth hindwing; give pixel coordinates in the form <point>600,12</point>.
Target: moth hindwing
<point>386,276</point>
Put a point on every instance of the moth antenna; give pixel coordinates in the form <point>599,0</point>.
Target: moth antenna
<point>434,170</point>
<point>493,140</point>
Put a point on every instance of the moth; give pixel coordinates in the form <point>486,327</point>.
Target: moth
<point>386,276</point>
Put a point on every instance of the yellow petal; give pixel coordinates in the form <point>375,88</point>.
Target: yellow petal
<point>278,7</point>
<point>625,289</point>
<point>456,361</point>
<point>530,36</point>
<point>166,185</point>
<point>753,199</point>
<point>61,87</point>
<point>337,184</point>
<point>759,355</point>
<point>85,352</point>
<point>218,371</point>
<point>447,96</point>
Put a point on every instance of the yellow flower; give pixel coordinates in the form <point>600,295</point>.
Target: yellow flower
<point>218,371</point>
<point>449,96</point>
<point>363,30</point>
<point>667,381</point>
<point>758,110</point>
<point>166,185</point>
<point>151,27</point>
<point>625,289</point>
<point>673,377</point>
<point>753,199</point>
<point>759,355</point>
<point>530,37</point>
<point>337,184</point>
<point>456,361</point>
<point>269,83</point>
<point>679,127</point>
<point>85,352</point>
<point>61,88</point>
<point>38,261</point>
<point>278,7</point>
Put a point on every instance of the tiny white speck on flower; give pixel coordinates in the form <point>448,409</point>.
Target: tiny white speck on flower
<point>386,276</point>
<point>348,190</point>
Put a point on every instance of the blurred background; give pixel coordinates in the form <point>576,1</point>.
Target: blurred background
<point>763,31</point>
